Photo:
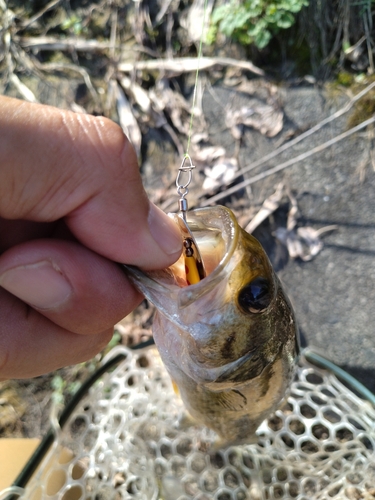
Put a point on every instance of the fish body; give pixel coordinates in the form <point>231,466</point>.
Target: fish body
<point>229,342</point>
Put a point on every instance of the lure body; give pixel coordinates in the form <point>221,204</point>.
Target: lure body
<point>230,341</point>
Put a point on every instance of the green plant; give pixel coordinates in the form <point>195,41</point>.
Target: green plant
<point>60,387</point>
<point>253,21</point>
<point>72,23</point>
<point>65,383</point>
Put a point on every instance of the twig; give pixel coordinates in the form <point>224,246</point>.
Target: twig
<point>68,44</point>
<point>288,163</point>
<point>367,19</point>
<point>39,14</point>
<point>113,36</point>
<point>187,64</point>
<point>269,206</point>
<point>26,93</point>
<point>174,138</point>
<point>168,36</point>
<point>326,229</point>
<point>163,10</point>
<point>71,67</point>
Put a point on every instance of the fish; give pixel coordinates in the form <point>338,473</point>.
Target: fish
<point>229,342</point>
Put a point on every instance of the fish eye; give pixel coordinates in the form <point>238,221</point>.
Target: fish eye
<point>256,296</point>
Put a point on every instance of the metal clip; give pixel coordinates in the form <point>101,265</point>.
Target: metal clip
<point>182,188</point>
<point>193,258</point>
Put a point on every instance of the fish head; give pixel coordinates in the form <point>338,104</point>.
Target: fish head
<point>229,326</point>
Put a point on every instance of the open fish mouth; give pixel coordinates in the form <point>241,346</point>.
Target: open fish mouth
<point>216,233</point>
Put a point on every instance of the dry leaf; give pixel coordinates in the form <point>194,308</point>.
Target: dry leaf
<point>354,52</point>
<point>266,118</point>
<point>207,154</point>
<point>305,243</point>
<point>269,206</point>
<point>220,173</point>
<point>193,22</point>
<point>310,238</point>
<point>165,100</point>
<point>290,239</point>
<point>176,107</point>
<point>152,109</point>
<point>139,95</point>
<point>77,108</point>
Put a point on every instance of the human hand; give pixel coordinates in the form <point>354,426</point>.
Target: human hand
<point>71,206</point>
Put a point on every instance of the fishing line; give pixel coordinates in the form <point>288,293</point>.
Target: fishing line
<point>196,79</point>
<point>194,267</point>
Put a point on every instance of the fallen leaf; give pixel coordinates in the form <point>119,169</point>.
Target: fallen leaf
<point>207,154</point>
<point>269,206</point>
<point>193,21</point>
<point>304,243</point>
<point>266,118</point>
<point>220,173</point>
<point>139,95</point>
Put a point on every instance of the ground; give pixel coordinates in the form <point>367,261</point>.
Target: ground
<point>333,294</point>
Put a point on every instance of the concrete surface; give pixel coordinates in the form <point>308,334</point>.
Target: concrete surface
<point>334,294</point>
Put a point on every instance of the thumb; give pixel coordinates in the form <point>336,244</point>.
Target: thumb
<point>58,164</point>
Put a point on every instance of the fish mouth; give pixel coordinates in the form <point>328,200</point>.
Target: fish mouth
<point>216,233</point>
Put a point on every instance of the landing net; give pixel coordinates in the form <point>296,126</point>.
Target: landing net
<point>125,441</point>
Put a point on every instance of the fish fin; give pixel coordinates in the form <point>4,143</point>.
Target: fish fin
<point>176,390</point>
<point>250,368</point>
<point>232,400</point>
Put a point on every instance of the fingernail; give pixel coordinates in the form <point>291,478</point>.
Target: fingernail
<point>41,285</point>
<point>164,231</point>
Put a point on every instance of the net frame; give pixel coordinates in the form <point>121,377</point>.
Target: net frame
<point>127,439</point>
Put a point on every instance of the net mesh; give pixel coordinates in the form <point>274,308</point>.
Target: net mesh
<point>127,440</point>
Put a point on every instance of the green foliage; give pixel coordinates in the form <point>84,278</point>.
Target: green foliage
<point>60,387</point>
<point>116,340</point>
<point>65,384</point>
<point>253,21</point>
<point>363,110</point>
<point>345,79</point>
<point>72,23</point>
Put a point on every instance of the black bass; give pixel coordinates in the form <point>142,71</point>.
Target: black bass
<point>229,342</point>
